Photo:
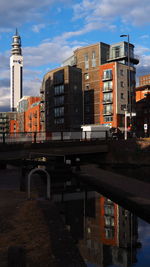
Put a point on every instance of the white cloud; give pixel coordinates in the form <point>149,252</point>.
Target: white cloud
<point>145,36</point>
<point>14,13</point>
<point>143,67</point>
<point>133,12</point>
<point>46,53</point>
<point>37,28</point>
<point>32,87</point>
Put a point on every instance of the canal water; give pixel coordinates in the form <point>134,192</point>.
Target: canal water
<point>105,233</point>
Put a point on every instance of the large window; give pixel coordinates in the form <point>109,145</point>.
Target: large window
<point>109,233</point>
<point>59,100</point>
<point>108,118</point>
<point>109,210</point>
<point>59,112</point>
<point>59,121</point>
<point>108,109</point>
<point>109,221</point>
<point>107,86</point>
<point>117,51</point>
<point>107,74</point>
<point>108,97</point>
<point>86,61</point>
<point>59,89</point>
<point>93,59</point>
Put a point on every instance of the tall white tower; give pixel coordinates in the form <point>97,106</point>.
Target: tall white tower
<point>16,71</point>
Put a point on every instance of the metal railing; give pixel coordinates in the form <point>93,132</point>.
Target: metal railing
<point>41,137</point>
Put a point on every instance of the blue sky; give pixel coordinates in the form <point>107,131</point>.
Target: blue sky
<point>51,30</point>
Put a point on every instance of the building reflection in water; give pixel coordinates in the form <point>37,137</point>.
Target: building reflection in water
<point>105,233</point>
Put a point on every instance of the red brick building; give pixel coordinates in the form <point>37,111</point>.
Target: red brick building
<point>28,116</point>
<point>32,118</point>
<point>114,94</point>
<point>143,111</point>
<point>144,80</point>
<point>95,59</point>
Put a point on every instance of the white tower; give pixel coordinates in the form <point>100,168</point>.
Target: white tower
<point>16,67</point>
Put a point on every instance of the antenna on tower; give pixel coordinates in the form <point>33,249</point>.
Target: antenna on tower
<point>16,32</point>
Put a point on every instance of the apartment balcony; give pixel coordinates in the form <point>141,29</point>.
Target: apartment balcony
<point>109,89</point>
<point>108,101</point>
<point>107,77</point>
<point>123,56</point>
<point>107,113</point>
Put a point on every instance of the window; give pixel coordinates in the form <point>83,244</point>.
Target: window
<point>87,87</point>
<point>59,112</point>
<point>86,61</point>
<point>59,89</point>
<point>108,109</point>
<point>121,72</point>
<point>123,107</point>
<point>109,233</point>
<point>93,59</point>
<point>59,100</point>
<point>117,51</point>
<point>122,84</point>
<point>107,74</point>
<point>86,76</point>
<point>107,86</point>
<point>108,97</point>
<point>59,121</point>
<point>122,95</point>
<point>108,118</point>
<point>109,210</point>
<point>109,221</point>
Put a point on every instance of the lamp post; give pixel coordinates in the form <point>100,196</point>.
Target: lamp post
<point>125,125</point>
<point>129,81</point>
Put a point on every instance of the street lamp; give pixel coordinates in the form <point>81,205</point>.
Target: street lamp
<point>129,82</point>
<point>125,125</point>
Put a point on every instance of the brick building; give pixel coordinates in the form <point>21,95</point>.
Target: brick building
<point>114,96</point>
<point>92,60</point>
<point>144,80</point>
<point>143,111</point>
<point>5,119</point>
<point>28,115</point>
<point>61,105</point>
<point>32,117</point>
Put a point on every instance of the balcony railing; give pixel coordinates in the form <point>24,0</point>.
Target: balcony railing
<point>109,89</point>
<point>118,56</point>
<point>107,113</point>
<point>107,101</point>
<point>107,77</point>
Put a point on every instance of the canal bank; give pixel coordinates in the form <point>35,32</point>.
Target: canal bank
<point>33,226</point>
<point>125,191</point>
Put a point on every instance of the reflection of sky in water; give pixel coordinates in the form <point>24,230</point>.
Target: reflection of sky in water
<point>143,253</point>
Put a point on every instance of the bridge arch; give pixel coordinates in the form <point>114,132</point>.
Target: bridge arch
<point>38,170</point>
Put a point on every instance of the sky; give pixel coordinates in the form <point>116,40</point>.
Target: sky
<point>51,30</point>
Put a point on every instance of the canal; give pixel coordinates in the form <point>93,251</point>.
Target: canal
<point>105,233</point>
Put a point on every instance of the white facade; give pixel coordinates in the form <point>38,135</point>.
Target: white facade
<point>16,72</point>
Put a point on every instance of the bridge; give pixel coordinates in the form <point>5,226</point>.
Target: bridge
<point>128,192</point>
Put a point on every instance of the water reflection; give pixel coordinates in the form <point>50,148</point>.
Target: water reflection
<point>106,234</point>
